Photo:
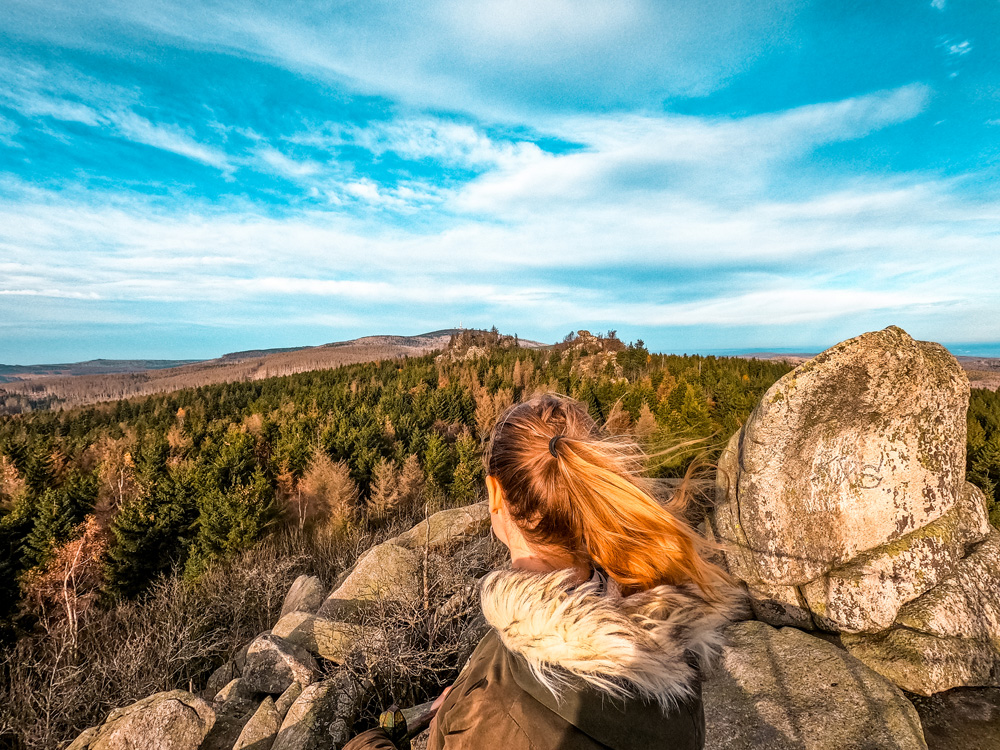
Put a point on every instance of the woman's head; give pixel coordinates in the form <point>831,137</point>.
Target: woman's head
<point>577,494</point>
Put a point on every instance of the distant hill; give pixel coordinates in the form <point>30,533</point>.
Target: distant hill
<point>12,373</point>
<point>48,386</point>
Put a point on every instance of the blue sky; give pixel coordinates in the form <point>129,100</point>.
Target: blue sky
<point>183,179</point>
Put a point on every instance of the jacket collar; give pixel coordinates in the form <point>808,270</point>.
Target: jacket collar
<point>648,645</point>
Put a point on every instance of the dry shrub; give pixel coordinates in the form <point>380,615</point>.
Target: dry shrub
<point>55,684</point>
<point>326,492</point>
<point>414,648</point>
<point>63,591</point>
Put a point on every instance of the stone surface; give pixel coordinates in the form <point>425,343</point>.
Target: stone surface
<point>447,528</point>
<point>788,690</point>
<point>174,720</point>
<point>287,698</point>
<point>306,594</point>
<point>234,691</point>
<point>947,638</point>
<point>386,570</point>
<point>966,718</point>
<point>331,639</point>
<point>220,678</point>
<point>852,450</point>
<point>273,664</point>
<point>321,717</point>
<point>260,731</point>
<point>865,594</point>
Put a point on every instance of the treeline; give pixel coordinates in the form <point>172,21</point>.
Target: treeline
<point>110,497</point>
<point>33,394</point>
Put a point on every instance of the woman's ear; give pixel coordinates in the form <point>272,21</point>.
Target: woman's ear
<point>495,493</point>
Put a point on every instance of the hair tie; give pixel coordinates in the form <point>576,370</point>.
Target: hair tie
<point>552,445</point>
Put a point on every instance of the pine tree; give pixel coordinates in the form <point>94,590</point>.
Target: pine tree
<point>437,461</point>
<point>411,483</point>
<point>150,534</point>
<point>59,511</point>
<point>230,521</point>
<point>468,478</point>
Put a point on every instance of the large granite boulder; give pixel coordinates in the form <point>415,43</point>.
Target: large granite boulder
<point>844,495</point>
<point>174,720</point>
<point>788,690</point>
<point>850,451</point>
<point>947,638</point>
<point>274,663</point>
<point>332,639</point>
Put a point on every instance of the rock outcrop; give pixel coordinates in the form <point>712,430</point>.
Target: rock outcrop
<point>288,689</point>
<point>843,506</point>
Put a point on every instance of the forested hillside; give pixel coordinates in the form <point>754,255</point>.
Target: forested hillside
<point>113,510</point>
<point>184,478</point>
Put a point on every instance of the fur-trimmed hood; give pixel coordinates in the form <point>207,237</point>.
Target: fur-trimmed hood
<point>647,645</point>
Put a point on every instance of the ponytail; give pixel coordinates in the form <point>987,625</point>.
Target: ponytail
<point>575,491</point>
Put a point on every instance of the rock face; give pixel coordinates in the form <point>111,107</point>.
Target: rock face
<point>843,507</point>
<point>175,720</point>
<point>787,690</point>
<point>947,638</point>
<point>843,455</point>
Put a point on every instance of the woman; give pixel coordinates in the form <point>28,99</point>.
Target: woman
<point>608,611</point>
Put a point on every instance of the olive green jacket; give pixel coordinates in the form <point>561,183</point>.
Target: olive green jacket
<point>581,667</point>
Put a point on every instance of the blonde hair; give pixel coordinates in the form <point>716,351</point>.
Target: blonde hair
<point>573,490</point>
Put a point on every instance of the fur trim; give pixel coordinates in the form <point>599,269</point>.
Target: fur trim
<point>623,646</point>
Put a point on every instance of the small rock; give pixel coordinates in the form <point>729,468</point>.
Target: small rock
<point>220,678</point>
<point>234,691</point>
<point>305,595</point>
<point>788,690</point>
<point>273,664</point>
<point>260,731</point>
<point>447,528</point>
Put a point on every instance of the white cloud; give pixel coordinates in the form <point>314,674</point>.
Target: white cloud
<point>495,58</point>
<point>68,96</point>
